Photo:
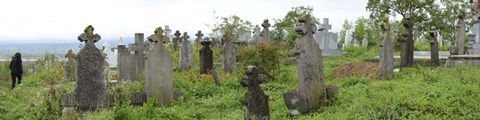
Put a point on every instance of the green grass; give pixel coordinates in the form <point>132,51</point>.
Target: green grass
<point>413,93</point>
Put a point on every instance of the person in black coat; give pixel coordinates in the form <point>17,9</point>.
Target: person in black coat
<point>16,69</point>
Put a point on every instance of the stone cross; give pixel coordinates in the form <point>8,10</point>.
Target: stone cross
<point>176,39</point>
<point>434,56</point>
<point>386,53</point>
<point>90,90</point>
<point>460,36</point>
<point>325,26</point>
<point>256,34</point>
<point>138,49</point>
<point>228,56</point>
<point>255,102</point>
<point>88,37</point>
<point>266,32</point>
<point>206,57</point>
<point>159,71</point>
<point>199,36</point>
<point>185,53</point>
<point>167,30</point>
<point>310,70</point>
<point>124,61</point>
<point>69,66</point>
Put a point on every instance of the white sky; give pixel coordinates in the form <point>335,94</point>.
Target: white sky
<point>65,19</point>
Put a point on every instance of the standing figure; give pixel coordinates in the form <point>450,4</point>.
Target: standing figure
<point>16,69</point>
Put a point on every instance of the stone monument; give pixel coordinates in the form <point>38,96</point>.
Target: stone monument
<point>327,40</point>
<point>365,41</point>
<point>255,102</point>
<point>206,57</point>
<point>176,39</point>
<point>138,59</point>
<point>266,35</point>
<point>69,67</point>
<point>386,53</point>
<point>228,56</point>
<point>434,57</point>
<point>90,87</point>
<point>159,71</point>
<point>256,34</point>
<point>185,53</point>
<point>199,36</point>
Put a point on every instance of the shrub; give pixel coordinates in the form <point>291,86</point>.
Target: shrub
<point>265,55</point>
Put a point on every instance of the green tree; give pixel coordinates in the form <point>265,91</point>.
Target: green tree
<point>411,11</point>
<point>229,27</point>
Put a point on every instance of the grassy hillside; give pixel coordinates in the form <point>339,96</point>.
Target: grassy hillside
<point>413,93</point>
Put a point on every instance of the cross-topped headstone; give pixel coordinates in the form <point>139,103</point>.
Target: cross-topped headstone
<point>266,32</point>
<point>185,36</point>
<point>176,39</point>
<point>325,26</point>
<point>159,71</point>
<point>386,52</point>
<point>255,103</point>
<point>256,34</point>
<point>206,57</point>
<point>199,36</point>
<point>70,66</point>
<point>90,90</point>
<point>185,53</point>
<point>167,30</point>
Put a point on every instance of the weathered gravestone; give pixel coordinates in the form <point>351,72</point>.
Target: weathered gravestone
<point>327,40</point>
<point>434,57</point>
<point>386,53</point>
<point>167,32</point>
<point>206,57</point>
<point>365,41</point>
<point>228,56</point>
<point>111,56</point>
<point>199,36</point>
<point>159,71</point>
<point>311,93</point>
<point>459,47</point>
<point>266,35</point>
<point>185,53</point>
<point>90,87</point>
<point>255,102</point>
<point>69,67</point>
<point>138,56</point>
<point>176,39</point>
<point>125,60</point>
<point>256,34</point>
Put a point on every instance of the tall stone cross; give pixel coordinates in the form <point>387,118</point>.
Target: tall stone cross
<point>266,32</point>
<point>325,26</point>
<point>138,49</point>
<point>460,42</point>
<point>199,36</point>
<point>176,39</point>
<point>386,52</point>
<point>167,30</point>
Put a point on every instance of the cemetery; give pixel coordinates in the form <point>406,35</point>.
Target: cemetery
<point>410,66</point>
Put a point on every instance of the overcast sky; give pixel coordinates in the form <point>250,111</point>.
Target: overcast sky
<point>65,19</point>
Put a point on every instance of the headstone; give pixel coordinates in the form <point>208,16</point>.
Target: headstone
<point>311,91</point>
<point>354,39</point>
<point>386,53</point>
<point>176,39</point>
<point>111,55</point>
<point>245,36</point>
<point>434,60</point>
<point>327,40</point>
<point>138,98</point>
<point>90,87</point>
<point>256,34</point>
<point>266,35</point>
<point>365,41</point>
<point>185,53</point>
<point>460,36</point>
<point>228,56</point>
<point>255,102</point>
<point>138,56</point>
<point>206,57</point>
<point>69,69</point>
<point>199,36</point>
<point>348,38</point>
<point>167,32</point>
<point>159,71</point>
<point>126,70</point>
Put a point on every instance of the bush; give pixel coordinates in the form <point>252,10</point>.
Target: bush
<point>265,55</point>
